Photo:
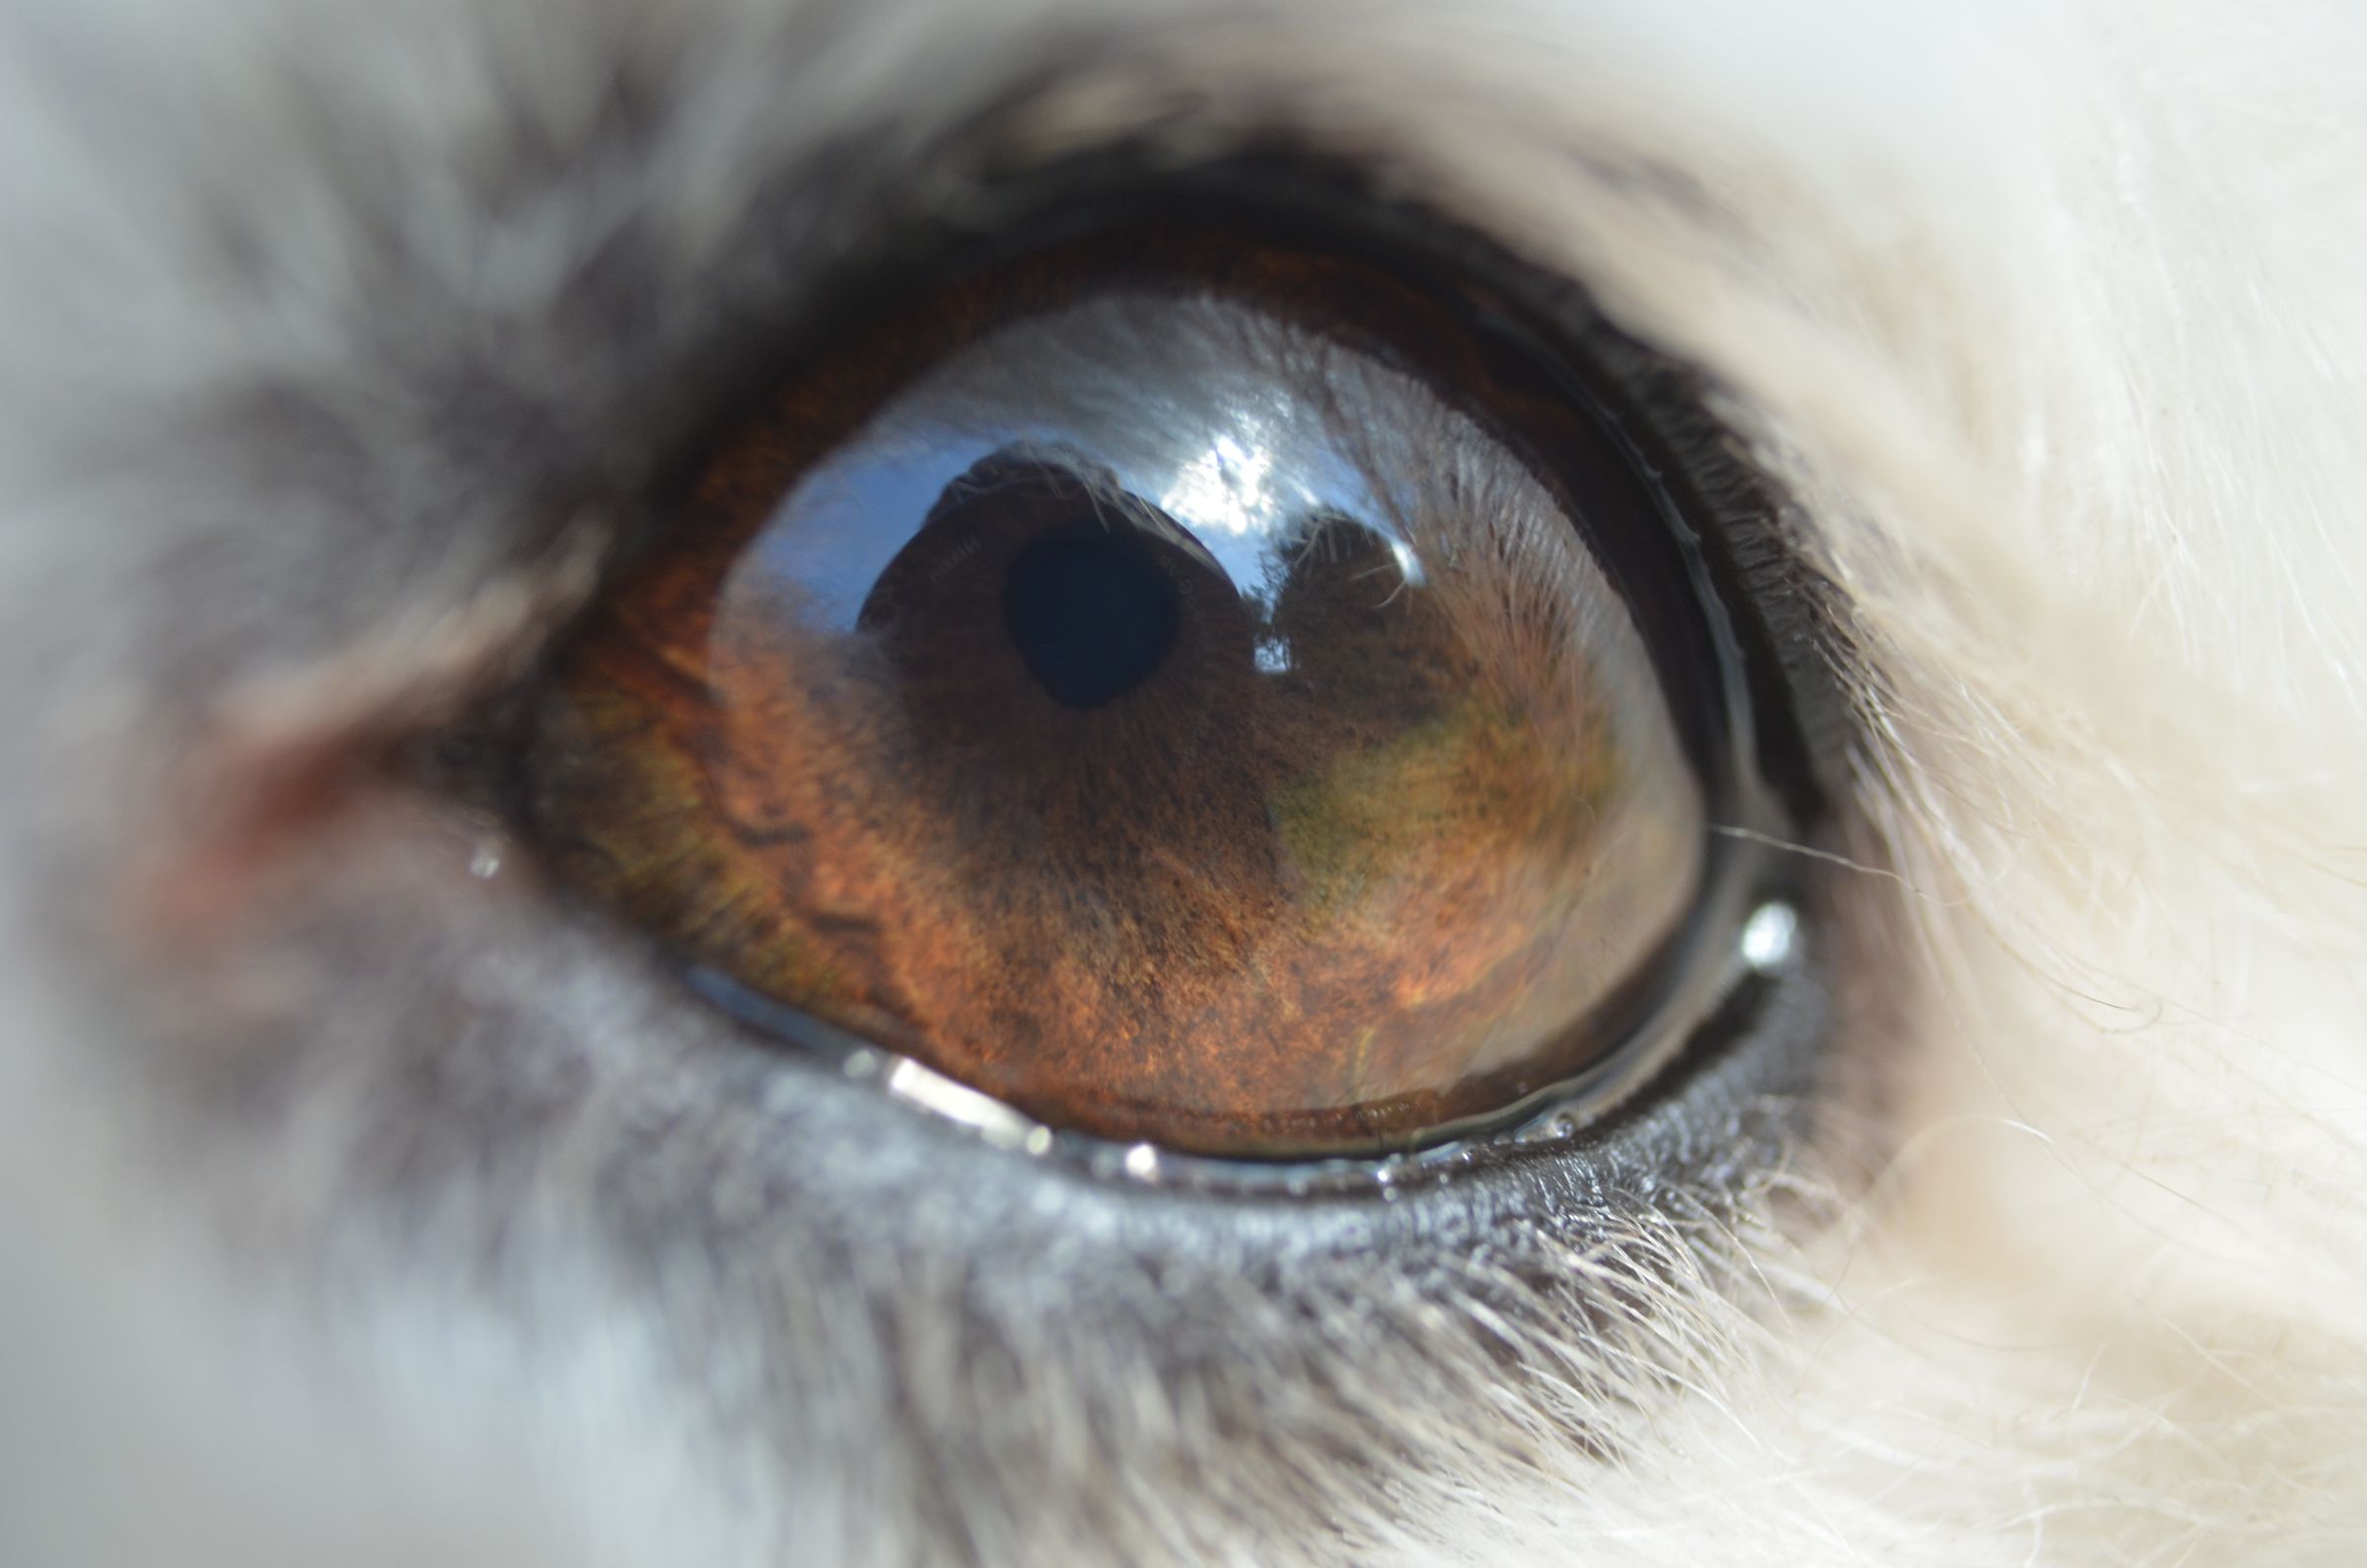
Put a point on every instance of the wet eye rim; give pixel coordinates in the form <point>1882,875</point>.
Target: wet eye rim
<point>1697,594</point>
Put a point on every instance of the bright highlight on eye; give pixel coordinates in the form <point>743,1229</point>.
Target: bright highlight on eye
<point>1165,686</point>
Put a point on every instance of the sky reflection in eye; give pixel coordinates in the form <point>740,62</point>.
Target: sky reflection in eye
<point>1244,474</point>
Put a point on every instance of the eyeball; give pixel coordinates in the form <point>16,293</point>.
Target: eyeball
<point>1180,686</point>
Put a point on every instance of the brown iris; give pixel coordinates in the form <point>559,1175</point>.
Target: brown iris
<point>1158,684</point>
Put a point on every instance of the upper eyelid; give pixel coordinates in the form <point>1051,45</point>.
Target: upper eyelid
<point>518,278</point>
<point>527,316</point>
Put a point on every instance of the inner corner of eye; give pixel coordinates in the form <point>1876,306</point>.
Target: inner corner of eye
<point>1157,685</point>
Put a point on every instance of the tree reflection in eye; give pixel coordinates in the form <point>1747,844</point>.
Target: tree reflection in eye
<point>1153,698</point>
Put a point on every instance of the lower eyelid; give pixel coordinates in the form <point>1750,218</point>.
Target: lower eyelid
<point>463,935</point>
<point>455,861</point>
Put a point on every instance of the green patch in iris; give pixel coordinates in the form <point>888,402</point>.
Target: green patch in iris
<point>1476,780</point>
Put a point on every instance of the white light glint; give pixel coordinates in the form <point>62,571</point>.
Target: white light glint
<point>1408,568</point>
<point>994,1121</point>
<point>1768,936</point>
<point>1224,488</point>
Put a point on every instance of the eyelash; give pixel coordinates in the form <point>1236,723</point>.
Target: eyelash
<point>1772,649</point>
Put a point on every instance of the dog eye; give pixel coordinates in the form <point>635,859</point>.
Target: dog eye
<point>1191,687</point>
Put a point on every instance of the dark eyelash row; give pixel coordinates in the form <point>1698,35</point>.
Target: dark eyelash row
<point>1725,595</point>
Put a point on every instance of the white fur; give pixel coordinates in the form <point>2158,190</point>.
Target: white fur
<point>2053,317</point>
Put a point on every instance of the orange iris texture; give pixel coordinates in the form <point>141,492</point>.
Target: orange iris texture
<point>1162,683</point>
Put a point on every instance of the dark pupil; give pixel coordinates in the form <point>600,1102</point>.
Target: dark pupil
<point>1090,611</point>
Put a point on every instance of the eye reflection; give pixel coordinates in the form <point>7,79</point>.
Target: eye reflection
<point>1161,709</point>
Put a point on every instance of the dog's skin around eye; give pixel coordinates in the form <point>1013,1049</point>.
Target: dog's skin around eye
<point>351,1210</point>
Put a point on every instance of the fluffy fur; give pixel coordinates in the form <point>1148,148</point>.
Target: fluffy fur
<point>354,1207</point>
